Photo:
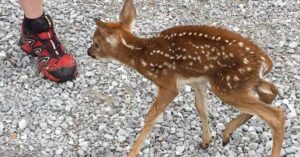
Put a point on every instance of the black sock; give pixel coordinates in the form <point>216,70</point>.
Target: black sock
<point>38,25</point>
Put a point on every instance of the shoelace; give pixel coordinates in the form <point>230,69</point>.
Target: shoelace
<point>51,44</point>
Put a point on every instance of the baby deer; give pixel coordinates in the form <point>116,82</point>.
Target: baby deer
<point>197,56</point>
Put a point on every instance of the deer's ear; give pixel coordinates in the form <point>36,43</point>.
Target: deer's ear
<point>128,15</point>
<point>100,23</point>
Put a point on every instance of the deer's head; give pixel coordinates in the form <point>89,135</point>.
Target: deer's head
<point>108,35</point>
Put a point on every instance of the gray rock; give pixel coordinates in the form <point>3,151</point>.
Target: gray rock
<point>293,44</point>
<point>179,150</point>
<point>59,151</point>
<point>1,128</point>
<point>22,124</point>
<point>43,125</point>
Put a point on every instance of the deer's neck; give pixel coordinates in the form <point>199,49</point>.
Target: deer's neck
<point>132,47</point>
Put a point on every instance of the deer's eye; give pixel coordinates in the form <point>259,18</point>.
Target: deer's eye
<point>96,45</point>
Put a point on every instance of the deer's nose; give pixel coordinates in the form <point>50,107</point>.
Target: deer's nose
<point>90,52</point>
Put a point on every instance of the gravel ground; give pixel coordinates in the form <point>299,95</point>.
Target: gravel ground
<point>99,115</point>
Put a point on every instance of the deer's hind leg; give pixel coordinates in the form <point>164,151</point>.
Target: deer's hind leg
<point>251,105</point>
<point>266,92</point>
<point>201,107</point>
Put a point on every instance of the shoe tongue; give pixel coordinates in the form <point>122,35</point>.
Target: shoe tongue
<point>42,24</point>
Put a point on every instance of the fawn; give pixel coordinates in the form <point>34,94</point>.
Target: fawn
<point>197,56</point>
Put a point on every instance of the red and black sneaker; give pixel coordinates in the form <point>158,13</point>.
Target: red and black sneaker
<point>54,61</point>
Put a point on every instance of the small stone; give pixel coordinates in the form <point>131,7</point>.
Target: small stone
<point>220,126</point>
<point>253,146</point>
<point>188,88</point>
<point>13,136</point>
<point>5,108</point>
<point>2,55</point>
<point>59,151</point>
<point>22,124</point>
<point>293,44</point>
<point>121,139</point>
<point>24,137</point>
<point>291,149</point>
<point>43,125</point>
<point>84,144</point>
<point>1,128</point>
<point>285,101</point>
<point>58,131</point>
<point>236,29</point>
<point>89,74</point>
<point>70,84</point>
<point>114,83</point>
<point>109,137</point>
<point>179,150</point>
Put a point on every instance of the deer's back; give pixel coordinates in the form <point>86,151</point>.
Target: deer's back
<point>222,56</point>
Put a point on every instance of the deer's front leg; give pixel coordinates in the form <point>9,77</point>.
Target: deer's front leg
<point>164,98</point>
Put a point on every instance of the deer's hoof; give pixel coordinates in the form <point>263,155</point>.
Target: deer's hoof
<point>224,143</point>
<point>204,145</point>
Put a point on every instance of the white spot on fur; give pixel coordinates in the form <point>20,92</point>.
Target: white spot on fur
<point>114,41</point>
<point>241,44</point>
<point>264,90</point>
<point>245,60</point>
<point>263,58</point>
<point>206,68</point>
<point>235,78</point>
<point>227,77</point>
<point>229,85</point>
<point>143,63</point>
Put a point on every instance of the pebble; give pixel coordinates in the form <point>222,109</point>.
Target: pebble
<point>89,74</point>
<point>2,54</point>
<point>1,128</point>
<point>59,151</point>
<point>43,125</point>
<point>293,44</point>
<point>22,124</point>
<point>179,150</point>
<point>291,149</point>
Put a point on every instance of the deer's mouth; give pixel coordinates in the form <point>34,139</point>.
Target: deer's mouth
<point>90,53</point>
